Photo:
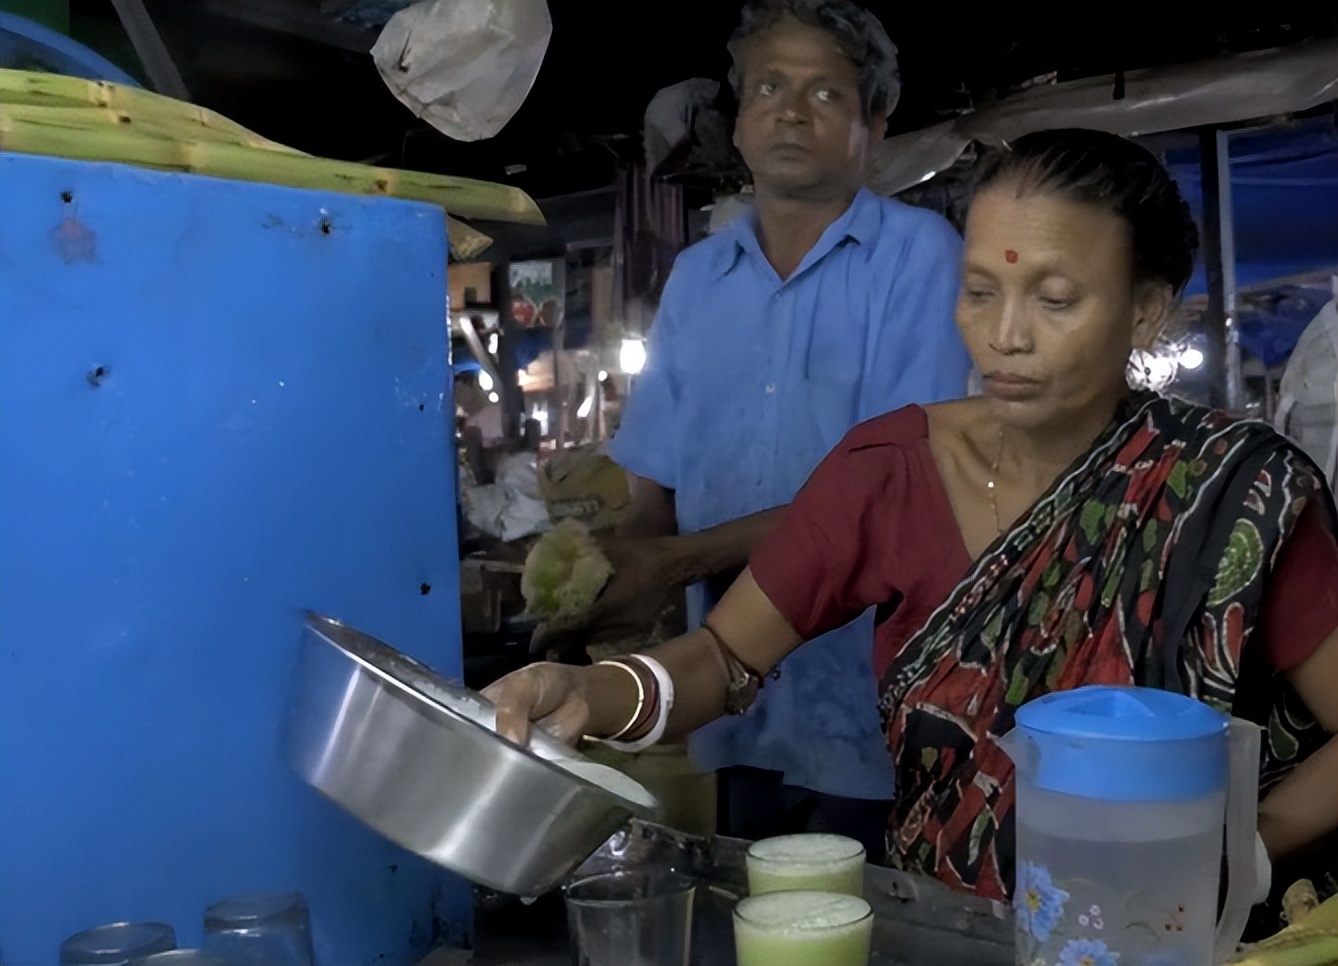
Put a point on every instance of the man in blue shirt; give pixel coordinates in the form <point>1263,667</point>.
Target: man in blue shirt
<point>826,306</point>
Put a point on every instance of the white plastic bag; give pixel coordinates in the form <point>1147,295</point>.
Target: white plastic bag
<point>464,66</point>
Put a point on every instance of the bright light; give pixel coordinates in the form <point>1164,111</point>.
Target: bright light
<point>1191,358</point>
<point>584,409</point>
<point>632,356</point>
<point>492,344</point>
<point>493,397</point>
<point>540,415</point>
<point>485,380</point>
<point>603,374</point>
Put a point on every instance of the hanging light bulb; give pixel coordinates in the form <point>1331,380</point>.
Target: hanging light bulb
<point>632,356</point>
<point>1191,358</point>
<point>485,380</point>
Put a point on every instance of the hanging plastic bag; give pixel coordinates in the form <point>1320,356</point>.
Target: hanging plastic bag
<point>464,66</point>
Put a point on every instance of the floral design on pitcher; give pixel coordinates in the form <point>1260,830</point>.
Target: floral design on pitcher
<point>1092,917</point>
<point>1038,901</point>
<point>1087,952</point>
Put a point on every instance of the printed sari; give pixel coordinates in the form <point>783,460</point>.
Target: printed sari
<point>1146,563</point>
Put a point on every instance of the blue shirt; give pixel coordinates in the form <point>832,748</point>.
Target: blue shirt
<point>750,379</point>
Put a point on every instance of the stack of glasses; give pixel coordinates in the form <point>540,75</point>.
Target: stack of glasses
<point>268,929</point>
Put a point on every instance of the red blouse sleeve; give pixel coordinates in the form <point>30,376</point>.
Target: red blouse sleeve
<point>1300,607</point>
<point>828,561</point>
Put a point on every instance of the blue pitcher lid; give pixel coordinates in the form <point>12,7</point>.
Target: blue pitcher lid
<point>1114,713</point>
<point>1124,744</point>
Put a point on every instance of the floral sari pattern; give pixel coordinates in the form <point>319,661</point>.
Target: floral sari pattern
<point>1145,563</point>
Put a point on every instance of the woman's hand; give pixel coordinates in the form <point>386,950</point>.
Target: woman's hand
<point>551,694</point>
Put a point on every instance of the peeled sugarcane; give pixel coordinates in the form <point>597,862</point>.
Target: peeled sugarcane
<point>1311,940</point>
<point>38,89</point>
<point>100,121</point>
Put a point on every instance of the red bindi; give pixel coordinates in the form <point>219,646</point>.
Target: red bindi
<point>1010,256</point>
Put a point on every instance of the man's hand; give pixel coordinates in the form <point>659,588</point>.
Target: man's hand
<point>645,575</point>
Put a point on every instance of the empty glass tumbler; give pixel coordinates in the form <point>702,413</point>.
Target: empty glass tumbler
<point>181,957</point>
<point>264,929</point>
<point>117,942</point>
<point>630,919</point>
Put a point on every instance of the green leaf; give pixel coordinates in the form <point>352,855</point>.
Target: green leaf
<point>1092,516</point>
<point>1111,587</point>
<point>1040,604</point>
<point>1017,688</point>
<point>1239,565</point>
<point>1178,480</point>
<point>1148,579</point>
<point>1284,745</point>
<point>978,829</point>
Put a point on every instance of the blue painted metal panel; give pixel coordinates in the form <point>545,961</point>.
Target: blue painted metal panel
<point>220,404</point>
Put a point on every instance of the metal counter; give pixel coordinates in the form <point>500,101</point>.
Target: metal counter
<point>917,921</point>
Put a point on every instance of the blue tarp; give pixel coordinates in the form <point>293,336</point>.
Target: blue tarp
<point>27,45</point>
<point>1284,187</point>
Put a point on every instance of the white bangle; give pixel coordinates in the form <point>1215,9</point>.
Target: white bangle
<point>666,696</point>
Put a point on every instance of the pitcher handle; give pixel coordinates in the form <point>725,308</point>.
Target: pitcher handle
<point>1242,820</point>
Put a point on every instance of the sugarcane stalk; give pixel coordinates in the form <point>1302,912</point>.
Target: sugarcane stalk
<point>83,118</point>
<point>166,118</point>
<point>466,242</point>
<point>38,89</point>
<point>42,134</point>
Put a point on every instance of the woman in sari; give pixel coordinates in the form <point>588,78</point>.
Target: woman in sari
<point>1059,530</point>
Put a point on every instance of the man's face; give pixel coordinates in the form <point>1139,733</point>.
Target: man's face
<point>801,126</point>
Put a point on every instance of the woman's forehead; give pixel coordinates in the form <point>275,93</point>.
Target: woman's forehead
<point>1005,228</point>
<point>1001,209</point>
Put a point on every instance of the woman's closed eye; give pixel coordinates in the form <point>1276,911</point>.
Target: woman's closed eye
<point>1055,304</point>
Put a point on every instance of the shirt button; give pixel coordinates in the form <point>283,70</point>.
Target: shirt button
<point>771,387</point>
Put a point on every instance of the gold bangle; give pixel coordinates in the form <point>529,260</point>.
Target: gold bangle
<point>640,699</point>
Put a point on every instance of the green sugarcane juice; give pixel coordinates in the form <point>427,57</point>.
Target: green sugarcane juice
<point>803,929</point>
<point>811,861</point>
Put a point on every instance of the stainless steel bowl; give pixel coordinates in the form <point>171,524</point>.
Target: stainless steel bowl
<point>415,757</point>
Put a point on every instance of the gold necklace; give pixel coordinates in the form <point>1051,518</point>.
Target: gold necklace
<point>994,490</point>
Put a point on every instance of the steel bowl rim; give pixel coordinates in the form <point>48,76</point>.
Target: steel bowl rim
<point>507,746</point>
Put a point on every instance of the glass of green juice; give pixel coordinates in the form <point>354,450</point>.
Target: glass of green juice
<point>813,861</point>
<point>803,929</point>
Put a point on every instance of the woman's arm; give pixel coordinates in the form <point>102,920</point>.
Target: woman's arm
<point>599,700</point>
<point>1303,807</point>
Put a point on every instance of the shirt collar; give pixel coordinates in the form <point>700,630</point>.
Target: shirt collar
<point>859,223</point>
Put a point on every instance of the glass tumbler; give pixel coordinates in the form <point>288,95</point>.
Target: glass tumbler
<point>630,919</point>
<point>181,957</point>
<point>263,929</point>
<point>117,942</point>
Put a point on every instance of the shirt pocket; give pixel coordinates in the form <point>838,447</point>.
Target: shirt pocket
<point>833,373</point>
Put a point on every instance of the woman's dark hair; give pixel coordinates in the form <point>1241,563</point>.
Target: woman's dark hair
<point>856,31</point>
<point>1115,173</point>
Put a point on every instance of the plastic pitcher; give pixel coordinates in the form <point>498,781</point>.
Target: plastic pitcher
<point>1123,795</point>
